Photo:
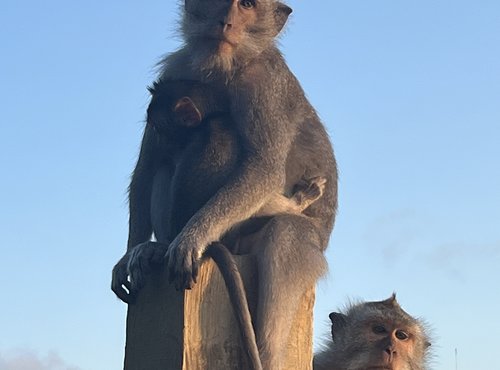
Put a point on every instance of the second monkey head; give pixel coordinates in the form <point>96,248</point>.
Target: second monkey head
<point>224,33</point>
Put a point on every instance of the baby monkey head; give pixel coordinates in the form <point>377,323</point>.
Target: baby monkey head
<point>179,105</point>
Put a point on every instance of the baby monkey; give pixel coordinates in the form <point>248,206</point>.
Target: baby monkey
<point>375,335</point>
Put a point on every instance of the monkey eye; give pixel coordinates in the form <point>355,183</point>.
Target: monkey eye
<point>379,329</point>
<point>247,4</point>
<point>401,335</point>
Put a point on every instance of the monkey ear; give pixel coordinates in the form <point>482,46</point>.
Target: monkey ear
<point>339,321</point>
<point>187,112</point>
<point>281,14</point>
<point>152,89</point>
<point>391,301</point>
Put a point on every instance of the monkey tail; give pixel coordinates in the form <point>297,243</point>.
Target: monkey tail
<point>237,294</point>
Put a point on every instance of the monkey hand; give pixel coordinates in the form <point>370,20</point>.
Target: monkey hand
<point>119,282</point>
<point>129,273</point>
<point>184,257</point>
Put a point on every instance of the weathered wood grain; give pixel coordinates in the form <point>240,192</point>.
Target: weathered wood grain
<point>196,329</point>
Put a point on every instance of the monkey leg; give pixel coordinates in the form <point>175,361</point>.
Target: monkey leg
<point>306,193</point>
<point>289,261</point>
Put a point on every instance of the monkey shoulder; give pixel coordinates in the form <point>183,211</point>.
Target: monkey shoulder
<point>176,65</point>
<point>264,71</point>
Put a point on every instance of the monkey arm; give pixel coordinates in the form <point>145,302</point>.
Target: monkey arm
<point>267,131</point>
<point>140,229</point>
<point>140,189</point>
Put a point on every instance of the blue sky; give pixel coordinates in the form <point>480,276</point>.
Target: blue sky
<point>409,92</point>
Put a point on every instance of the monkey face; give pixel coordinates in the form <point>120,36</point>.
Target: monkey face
<point>386,345</point>
<point>232,29</point>
<point>392,345</point>
<point>378,335</point>
<point>223,23</point>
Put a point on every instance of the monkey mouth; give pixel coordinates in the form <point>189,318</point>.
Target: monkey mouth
<point>225,40</point>
<point>221,41</point>
<point>226,46</point>
<point>228,40</point>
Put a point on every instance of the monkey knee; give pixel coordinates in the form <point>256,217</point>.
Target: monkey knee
<point>292,231</point>
<point>292,250</point>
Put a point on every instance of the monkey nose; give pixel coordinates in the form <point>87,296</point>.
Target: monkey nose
<point>390,352</point>
<point>225,26</point>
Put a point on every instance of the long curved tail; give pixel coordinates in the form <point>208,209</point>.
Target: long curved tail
<point>237,294</point>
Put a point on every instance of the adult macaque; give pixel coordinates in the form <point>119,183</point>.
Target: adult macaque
<point>190,124</point>
<point>375,335</point>
<point>177,110</point>
<point>230,45</point>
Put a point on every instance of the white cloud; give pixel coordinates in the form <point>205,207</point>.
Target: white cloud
<point>30,360</point>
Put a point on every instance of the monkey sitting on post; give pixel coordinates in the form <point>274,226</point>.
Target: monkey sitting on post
<point>191,126</point>
<point>230,44</point>
<point>375,335</point>
<point>189,118</point>
<point>278,141</point>
<point>178,108</point>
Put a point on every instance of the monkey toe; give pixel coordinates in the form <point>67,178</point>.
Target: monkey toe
<point>320,180</point>
<point>122,290</point>
<point>312,192</point>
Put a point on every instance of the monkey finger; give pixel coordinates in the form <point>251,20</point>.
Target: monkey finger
<point>119,281</point>
<point>132,294</point>
<point>183,272</point>
<point>168,261</point>
<point>195,267</point>
<point>131,289</point>
<point>187,282</point>
<point>167,255</point>
<point>179,279</point>
<point>136,279</point>
<point>127,284</point>
<point>121,293</point>
<point>152,253</point>
<point>184,279</point>
<point>158,255</point>
<point>172,271</point>
<point>122,288</point>
<point>320,180</point>
<point>190,270</point>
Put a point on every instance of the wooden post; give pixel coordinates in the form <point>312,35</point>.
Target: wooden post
<point>196,329</point>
